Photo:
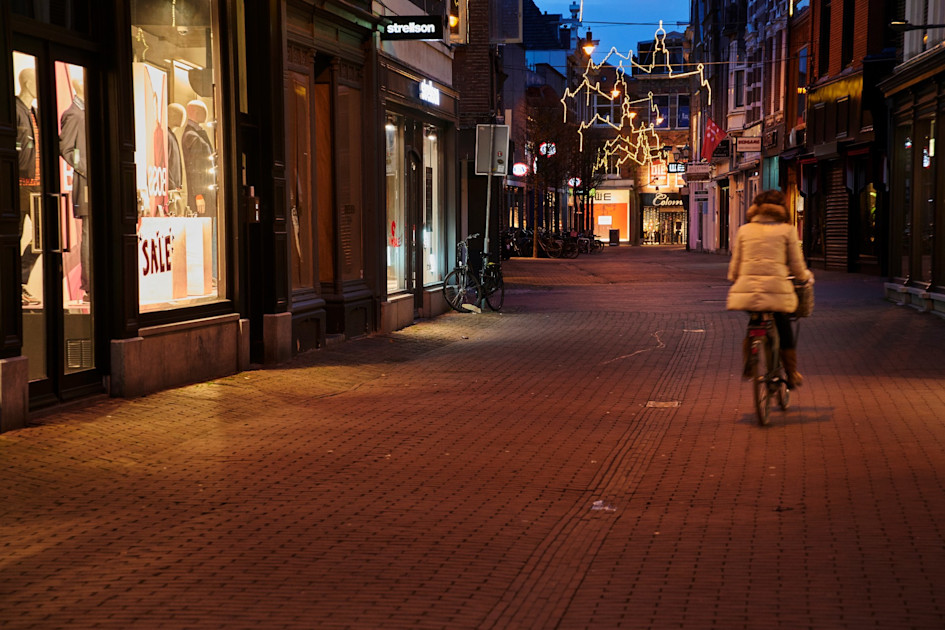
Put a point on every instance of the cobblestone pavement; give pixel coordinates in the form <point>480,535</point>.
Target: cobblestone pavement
<point>586,459</point>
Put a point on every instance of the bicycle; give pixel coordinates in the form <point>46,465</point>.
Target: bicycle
<point>768,379</point>
<point>461,288</point>
<point>492,283</point>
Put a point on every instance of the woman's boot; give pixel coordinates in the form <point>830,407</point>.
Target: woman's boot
<point>789,358</point>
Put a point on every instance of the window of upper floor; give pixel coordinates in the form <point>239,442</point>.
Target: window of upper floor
<point>921,12</point>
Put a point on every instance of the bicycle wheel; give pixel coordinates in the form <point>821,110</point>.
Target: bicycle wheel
<point>462,290</point>
<point>570,250</point>
<point>495,295</point>
<point>760,358</point>
<point>553,248</point>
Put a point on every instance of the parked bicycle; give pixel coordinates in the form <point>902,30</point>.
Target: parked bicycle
<point>492,283</point>
<point>461,288</point>
<point>768,380</point>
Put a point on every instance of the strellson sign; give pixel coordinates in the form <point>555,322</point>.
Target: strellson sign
<point>416,27</point>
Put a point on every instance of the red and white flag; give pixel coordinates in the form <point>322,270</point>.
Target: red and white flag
<point>713,136</point>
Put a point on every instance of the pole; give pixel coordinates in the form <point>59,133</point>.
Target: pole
<point>485,243</point>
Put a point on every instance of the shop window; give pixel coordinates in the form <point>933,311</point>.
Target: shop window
<point>299,170</point>
<point>395,177</point>
<point>433,262</point>
<point>902,212</point>
<point>926,198</point>
<point>177,153</point>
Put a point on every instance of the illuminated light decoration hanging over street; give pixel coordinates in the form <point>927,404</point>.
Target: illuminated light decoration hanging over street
<point>635,142</point>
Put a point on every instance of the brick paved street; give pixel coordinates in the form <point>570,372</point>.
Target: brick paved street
<point>529,469</point>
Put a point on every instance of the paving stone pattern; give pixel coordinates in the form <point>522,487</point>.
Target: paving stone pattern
<point>586,459</point>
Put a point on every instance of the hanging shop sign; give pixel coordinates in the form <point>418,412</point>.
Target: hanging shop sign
<point>416,27</point>
<point>519,169</point>
<point>698,171</point>
<point>747,144</point>
<point>723,150</point>
<point>677,167</point>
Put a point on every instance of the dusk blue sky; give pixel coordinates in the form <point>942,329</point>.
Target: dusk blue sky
<point>623,23</point>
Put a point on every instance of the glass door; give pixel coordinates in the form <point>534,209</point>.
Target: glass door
<point>56,206</point>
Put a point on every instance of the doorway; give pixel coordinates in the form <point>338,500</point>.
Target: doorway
<point>57,189</point>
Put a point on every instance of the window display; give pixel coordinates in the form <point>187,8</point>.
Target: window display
<point>177,144</point>
<point>396,247</point>
<point>433,218</point>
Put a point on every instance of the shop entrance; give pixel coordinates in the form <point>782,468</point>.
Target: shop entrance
<point>664,227</point>
<point>56,159</point>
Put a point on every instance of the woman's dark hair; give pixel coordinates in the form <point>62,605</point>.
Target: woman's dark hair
<point>775,197</point>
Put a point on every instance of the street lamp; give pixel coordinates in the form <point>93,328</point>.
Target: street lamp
<point>902,27</point>
<point>589,44</point>
<point>682,153</point>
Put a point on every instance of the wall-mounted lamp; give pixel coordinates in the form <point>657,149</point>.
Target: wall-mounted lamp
<point>901,27</point>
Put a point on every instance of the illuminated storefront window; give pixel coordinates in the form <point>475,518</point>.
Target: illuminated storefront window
<point>177,153</point>
<point>396,246</point>
<point>432,206</point>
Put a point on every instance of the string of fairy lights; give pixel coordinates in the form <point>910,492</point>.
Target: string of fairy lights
<point>637,142</point>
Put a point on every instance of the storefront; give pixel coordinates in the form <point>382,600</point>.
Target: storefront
<point>137,178</point>
<point>611,211</point>
<point>420,173</point>
<point>331,182</point>
<point>665,220</point>
<point>917,174</point>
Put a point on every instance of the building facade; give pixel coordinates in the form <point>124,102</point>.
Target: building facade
<point>202,185</point>
<point>915,93</point>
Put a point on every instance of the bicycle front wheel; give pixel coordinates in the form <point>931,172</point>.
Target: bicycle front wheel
<point>461,290</point>
<point>760,359</point>
<point>495,295</point>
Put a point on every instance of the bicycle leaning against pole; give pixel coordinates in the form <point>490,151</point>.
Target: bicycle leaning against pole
<point>461,288</point>
<point>464,292</point>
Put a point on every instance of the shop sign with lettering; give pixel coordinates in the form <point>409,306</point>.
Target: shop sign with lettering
<point>429,92</point>
<point>417,27</point>
<point>748,144</point>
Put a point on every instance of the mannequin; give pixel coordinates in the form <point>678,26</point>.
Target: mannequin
<point>198,161</point>
<point>175,169</point>
<point>27,146</point>
<point>74,150</point>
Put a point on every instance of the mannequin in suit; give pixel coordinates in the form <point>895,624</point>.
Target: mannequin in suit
<point>27,147</point>
<point>74,150</point>
<point>175,166</point>
<point>198,161</point>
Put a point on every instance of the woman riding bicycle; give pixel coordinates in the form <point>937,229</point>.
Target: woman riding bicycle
<point>765,255</point>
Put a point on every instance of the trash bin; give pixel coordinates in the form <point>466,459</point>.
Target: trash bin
<point>615,237</point>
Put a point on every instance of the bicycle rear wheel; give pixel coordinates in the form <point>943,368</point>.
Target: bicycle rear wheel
<point>462,290</point>
<point>495,295</point>
<point>760,363</point>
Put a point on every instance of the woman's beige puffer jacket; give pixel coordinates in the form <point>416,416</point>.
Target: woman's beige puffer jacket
<point>766,252</point>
